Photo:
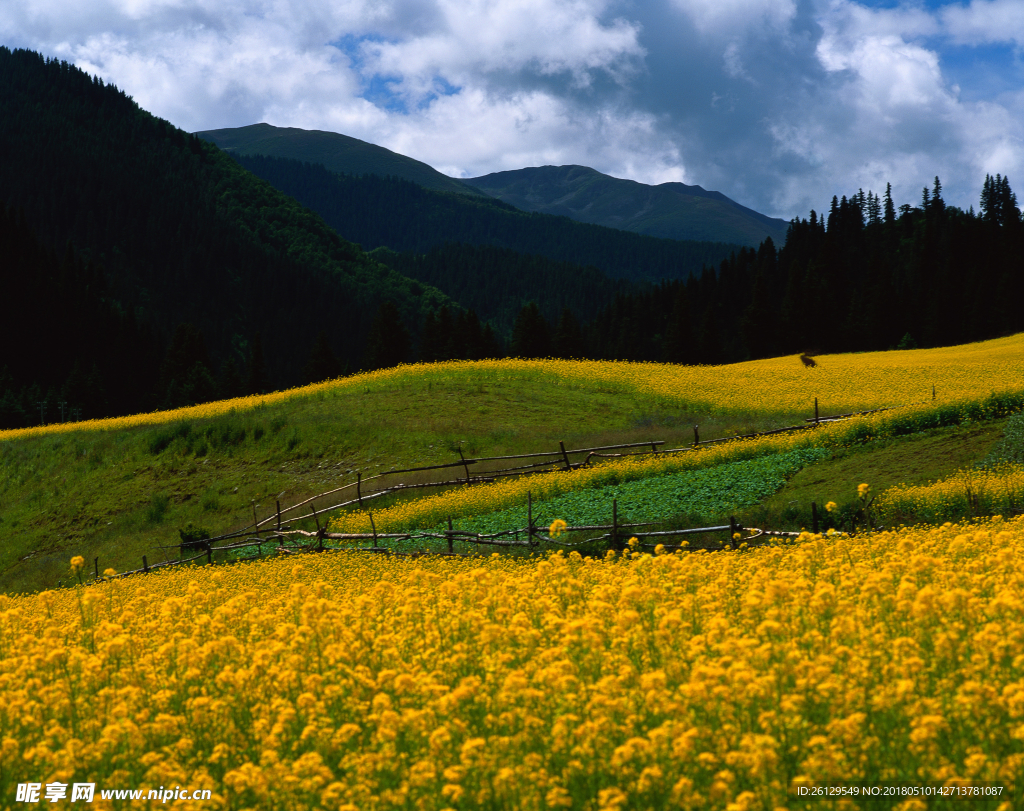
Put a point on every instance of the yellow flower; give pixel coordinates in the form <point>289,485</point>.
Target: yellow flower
<point>831,505</point>
<point>77,562</point>
<point>634,542</point>
<point>557,527</point>
<point>862,490</point>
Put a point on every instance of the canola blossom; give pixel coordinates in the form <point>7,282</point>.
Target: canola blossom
<point>716,681</point>
<point>842,383</point>
<point>997,490</point>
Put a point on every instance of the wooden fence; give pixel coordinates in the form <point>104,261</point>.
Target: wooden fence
<point>276,533</point>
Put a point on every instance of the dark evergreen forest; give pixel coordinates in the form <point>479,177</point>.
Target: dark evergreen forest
<point>496,283</point>
<point>864,277</point>
<point>398,214</point>
<point>175,238</point>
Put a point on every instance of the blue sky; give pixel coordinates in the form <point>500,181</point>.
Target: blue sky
<point>777,103</point>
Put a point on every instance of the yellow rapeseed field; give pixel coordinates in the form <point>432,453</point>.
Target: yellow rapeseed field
<point>842,383</point>
<point>967,493</point>
<point>714,681</point>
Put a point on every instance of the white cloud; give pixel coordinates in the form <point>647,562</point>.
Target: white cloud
<point>717,16</point>
<point>891,115</point>
<point>777,103</point>
<point>480,37</point>
<point>985,21</point>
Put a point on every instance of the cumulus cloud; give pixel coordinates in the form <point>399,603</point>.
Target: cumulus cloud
<point>726,16</point>
<point>985,21</point>
<point>778,103</point>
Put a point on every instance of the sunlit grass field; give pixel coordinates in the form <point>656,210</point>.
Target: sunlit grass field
<point>119,489</point>
<point>780,386</point>
<point>714,681</point>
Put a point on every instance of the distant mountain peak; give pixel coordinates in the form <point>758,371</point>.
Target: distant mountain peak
<point>339,153</point>
<point>671,210</point>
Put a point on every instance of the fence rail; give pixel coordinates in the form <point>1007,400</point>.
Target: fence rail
<point>284,535</point>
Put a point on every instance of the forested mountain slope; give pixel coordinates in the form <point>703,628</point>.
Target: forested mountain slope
<point>401,215</point>
<point>178,233</point>
<point>497,283</point>
<point>339,153</point>
<point>669,210</point>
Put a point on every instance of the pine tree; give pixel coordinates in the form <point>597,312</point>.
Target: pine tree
<point>256,372</point>
<point>322,363</point>
<point>188,348</point>
<point>431,339</point>
<point>679,339</point>
<point>569,342</point>
<point>388,343</point>
<point>531,336</point>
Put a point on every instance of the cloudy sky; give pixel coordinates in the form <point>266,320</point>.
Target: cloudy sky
<point>777,103</point>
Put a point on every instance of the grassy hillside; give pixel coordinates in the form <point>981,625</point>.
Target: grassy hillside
<point>669,210</point>
<point>116,489</point>
<point>339,153</point>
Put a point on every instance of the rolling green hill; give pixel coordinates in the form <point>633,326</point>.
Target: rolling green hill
<point>118,493</point>
<point>668,210</point>
<point>337,152</point>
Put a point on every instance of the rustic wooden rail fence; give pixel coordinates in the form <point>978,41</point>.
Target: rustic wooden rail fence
<point>616,536</point>
<point>281,538</point>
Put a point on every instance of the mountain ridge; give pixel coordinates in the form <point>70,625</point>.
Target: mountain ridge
<point>338,152</point>
<point>670,210</point>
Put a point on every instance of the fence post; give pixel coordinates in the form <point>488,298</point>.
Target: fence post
<point>615,524</point>
<point>448,535</point>
<point>209,554</point>
<point>814,517</point>
<point>733,529</point>
<point>359,488</point>
<point>278,515</point>
<point>464,464</point>
<point>373,526</point>
<point>696,436</point>
<point>145,564</point>
<point>654,447</point>
<point>529,515</point>
<point>255,523</point>
<point>816,420</point>
<point>96,563</point>
<point>933,391</point>
<point>565,456</point>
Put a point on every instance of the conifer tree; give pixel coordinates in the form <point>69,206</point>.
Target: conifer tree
<point>256,372</point>
<point>531,336</point>
<point>388,343</point>
<point>322,363</point>
<point>568,342</point>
